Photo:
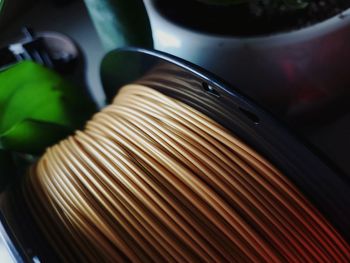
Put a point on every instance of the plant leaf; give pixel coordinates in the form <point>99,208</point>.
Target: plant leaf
<point>31,93</point>
<point>121,23</point>
<point>1,5</point>
<point>31,136</point>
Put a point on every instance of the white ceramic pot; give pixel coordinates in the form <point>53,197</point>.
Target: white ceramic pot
<point>294,73</point>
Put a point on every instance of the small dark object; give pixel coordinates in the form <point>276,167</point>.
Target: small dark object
<point>50,49</point>
<point>210,90</point>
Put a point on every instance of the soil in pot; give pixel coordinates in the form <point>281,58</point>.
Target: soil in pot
<point>254,17</point>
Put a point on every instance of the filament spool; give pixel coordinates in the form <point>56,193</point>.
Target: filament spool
<point>151,179</point>
<point>329,195</point>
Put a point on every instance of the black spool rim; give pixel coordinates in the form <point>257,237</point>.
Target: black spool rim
<point>326,186</point>
<point>330,192</point>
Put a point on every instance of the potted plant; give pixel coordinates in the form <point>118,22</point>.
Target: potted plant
<point>292,56</point>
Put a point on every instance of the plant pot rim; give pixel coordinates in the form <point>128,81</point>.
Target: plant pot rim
<point>330,24</point>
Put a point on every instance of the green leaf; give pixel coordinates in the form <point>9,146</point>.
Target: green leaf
<point>31,96</point>
<point>121,23</point>
<point>32,136</point>
<point>1,5</point>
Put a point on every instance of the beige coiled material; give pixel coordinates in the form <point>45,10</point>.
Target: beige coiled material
<point>153,180</point>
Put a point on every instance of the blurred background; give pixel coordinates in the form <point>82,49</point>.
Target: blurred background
<point>65,16</point>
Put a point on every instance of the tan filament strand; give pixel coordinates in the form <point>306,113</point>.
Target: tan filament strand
<point>151,179</point>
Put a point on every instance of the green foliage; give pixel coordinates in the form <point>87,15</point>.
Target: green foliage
<point>38,108</point>
<point>121,23</point>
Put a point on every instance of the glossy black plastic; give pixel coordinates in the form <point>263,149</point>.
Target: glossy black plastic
<point>326,187</point>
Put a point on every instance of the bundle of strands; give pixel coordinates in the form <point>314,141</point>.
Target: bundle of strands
<point>153,180</point>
